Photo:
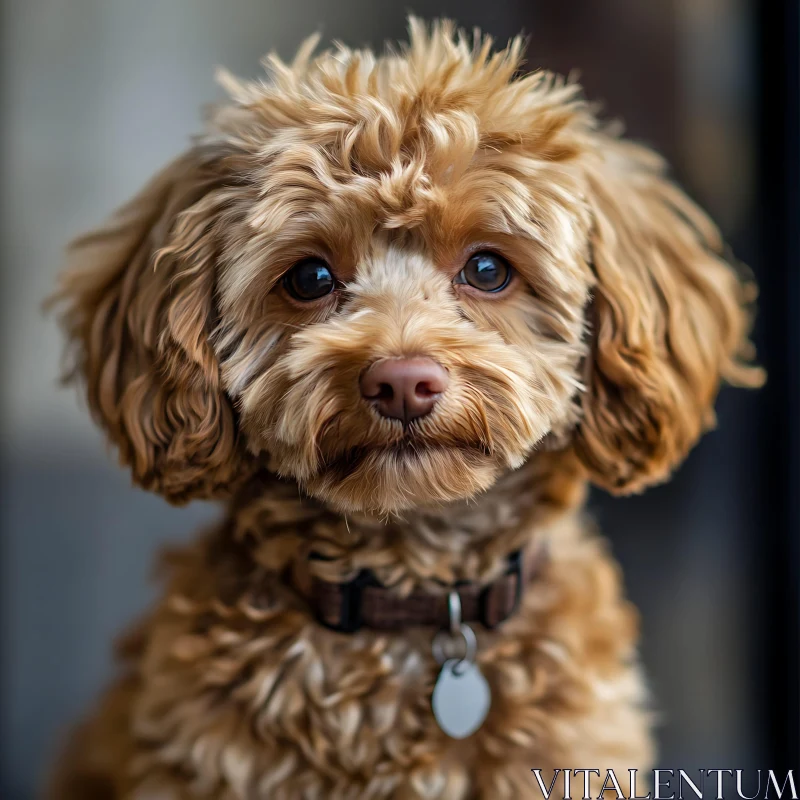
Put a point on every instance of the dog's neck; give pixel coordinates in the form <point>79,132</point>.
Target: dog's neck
<point>464,541</point>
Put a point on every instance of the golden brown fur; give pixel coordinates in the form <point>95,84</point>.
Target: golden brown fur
<point>600,362</point>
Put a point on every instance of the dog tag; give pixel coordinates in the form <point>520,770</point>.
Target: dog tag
<point>461,698</point>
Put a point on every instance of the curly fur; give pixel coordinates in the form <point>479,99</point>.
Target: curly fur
<point>600,362</point>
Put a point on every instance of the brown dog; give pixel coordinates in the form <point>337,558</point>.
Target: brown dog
<point>398,311</point>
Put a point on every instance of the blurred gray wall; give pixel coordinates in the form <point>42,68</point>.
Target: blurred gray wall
<point>96,96</point>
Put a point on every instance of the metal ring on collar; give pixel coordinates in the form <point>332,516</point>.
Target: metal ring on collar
<point>470,645</point>
<point>454,608</point>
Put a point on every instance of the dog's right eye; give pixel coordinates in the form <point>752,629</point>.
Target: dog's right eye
<point>309,280</point>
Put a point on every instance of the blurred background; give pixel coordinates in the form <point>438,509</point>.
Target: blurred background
<point>98,94</point>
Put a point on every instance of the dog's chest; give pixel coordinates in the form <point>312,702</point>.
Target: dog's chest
<point>270,704</point>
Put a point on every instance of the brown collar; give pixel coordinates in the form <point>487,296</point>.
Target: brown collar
<point>365,602</point>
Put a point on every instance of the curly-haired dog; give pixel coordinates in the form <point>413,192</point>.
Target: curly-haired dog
<point>398,311</point>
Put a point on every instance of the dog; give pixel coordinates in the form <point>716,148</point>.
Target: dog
<point>397,311</point>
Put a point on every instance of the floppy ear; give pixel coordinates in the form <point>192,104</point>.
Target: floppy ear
<point>669,321</point>
<point>138,310</point>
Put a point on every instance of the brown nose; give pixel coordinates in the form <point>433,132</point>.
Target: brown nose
<point>404,388</point>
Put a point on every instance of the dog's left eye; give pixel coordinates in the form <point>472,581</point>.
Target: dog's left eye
<point>485,271</point>
<point>309,280</point>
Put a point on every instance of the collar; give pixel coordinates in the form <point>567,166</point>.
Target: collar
<point>364,602</point>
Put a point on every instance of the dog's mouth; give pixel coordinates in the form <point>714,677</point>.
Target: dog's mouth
<point>403,475</point>
<point>406,452</point>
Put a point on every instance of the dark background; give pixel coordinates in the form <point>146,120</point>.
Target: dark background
<point>98,94</point>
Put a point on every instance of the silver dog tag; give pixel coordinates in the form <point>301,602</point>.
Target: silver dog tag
<point>461,698</point>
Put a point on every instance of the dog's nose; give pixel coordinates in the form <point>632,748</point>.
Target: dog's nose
<point>404,388</point>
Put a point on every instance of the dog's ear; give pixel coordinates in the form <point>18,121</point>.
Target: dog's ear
<point>138,310</point>
<point>669,320</point>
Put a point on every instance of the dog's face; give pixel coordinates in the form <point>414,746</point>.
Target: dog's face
<point>371,281</point>
<point>393,280</point>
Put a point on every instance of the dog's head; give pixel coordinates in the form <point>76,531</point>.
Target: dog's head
<point>392,278</point>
